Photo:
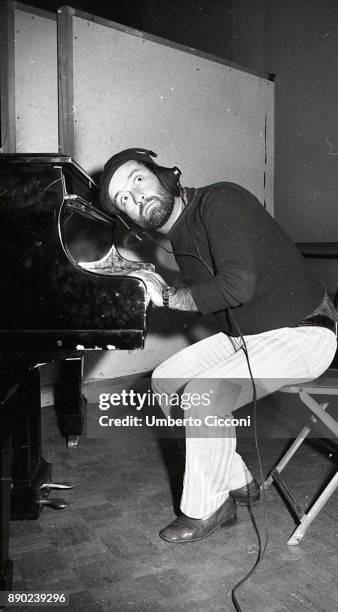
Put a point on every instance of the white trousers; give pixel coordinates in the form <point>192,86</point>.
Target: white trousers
<point>277,358</point>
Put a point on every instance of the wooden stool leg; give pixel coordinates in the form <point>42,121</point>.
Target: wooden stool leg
<point>314,511</point>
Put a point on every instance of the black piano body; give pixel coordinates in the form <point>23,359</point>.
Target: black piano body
<point>55,304</point>
<point>48,301</point>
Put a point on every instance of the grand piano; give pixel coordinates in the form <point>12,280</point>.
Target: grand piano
<point>64,290</point>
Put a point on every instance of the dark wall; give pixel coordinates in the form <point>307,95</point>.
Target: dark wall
<point>248,33</point>
<point>123,11</point>
<point>301,48</point>
<point>202,24</point>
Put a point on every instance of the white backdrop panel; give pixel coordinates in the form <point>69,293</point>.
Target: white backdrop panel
<point>213,121</point>
<point>36,97</point>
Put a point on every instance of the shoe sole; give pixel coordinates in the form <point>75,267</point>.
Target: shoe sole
<point>223,525</point>
<point>250,500</point>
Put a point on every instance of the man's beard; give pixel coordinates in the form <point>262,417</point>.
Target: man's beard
<point>156,210</point>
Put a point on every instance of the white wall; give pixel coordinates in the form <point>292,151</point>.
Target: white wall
<point>36,96</point>
<point>214,121</point>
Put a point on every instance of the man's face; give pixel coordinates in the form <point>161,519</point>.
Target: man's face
<point>138,193</point>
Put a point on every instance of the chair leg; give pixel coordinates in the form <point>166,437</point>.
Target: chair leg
<point>305,518</point>
<point>288,455</point>
<point>317,410</point>
<point>293,448</point>
<point>314,511</point>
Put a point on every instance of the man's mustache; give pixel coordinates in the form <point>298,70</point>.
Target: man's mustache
<point>149,200</point>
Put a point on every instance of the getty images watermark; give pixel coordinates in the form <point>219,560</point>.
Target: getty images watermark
<point>200,404</point>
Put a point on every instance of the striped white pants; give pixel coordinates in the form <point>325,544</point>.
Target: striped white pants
<point>277,358</point>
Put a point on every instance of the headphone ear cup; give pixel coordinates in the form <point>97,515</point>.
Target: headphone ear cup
<point>177,172</point>
<point>169,177</point>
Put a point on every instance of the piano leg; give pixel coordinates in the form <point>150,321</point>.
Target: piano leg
<point>29,469</point>
<point>6,565</point>
<point>25,477</point>
<point>69,400</point>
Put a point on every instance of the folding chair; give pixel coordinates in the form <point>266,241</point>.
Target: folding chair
<point>326,385</point>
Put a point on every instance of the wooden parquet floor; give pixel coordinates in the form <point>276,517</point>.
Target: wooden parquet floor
<point>105,551</point>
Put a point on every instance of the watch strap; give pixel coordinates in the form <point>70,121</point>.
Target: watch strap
<point>166,293</point>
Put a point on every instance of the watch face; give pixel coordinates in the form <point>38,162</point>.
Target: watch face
<point>171,290</point>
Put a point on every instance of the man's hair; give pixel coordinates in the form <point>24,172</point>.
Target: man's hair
<point>169,177</point>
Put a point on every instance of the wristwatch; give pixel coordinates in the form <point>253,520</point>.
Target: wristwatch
<point>166,293</point>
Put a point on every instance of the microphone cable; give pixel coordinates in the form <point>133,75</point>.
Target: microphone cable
<point>262,542</point>
<point>262,545</point>
<point>261,548</point>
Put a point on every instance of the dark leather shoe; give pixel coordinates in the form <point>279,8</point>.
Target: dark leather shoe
<point>186,529</point>
<point>249,494</point>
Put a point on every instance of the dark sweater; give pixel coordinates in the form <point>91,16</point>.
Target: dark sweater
<point>256,268</point>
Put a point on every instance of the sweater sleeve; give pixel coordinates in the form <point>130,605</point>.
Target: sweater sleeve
<point>231,243</point>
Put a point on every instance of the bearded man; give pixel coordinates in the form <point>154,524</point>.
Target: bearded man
<point>238,265</point>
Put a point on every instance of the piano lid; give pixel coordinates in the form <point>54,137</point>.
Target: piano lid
<point>63,282</point>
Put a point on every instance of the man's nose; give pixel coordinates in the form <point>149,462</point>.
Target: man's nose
<point>139,197</point>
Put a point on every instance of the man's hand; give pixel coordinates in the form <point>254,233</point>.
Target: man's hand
<point>181,300</point>
<point>154,284</point>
